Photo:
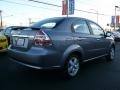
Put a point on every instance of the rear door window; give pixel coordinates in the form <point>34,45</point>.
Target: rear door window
<point>81,27</point>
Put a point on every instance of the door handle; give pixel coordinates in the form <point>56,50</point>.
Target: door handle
<point>69,38</point>
<point>79,38</point>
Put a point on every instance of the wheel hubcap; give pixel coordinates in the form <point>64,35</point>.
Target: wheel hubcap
<point>73,66</point>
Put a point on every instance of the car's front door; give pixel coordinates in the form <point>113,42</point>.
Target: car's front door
<point>100,41</point>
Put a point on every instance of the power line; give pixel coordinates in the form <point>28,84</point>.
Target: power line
<point>50,4</point>
<point>61,6</point>
<point>92,12</point>
<point>87,3</point>
<point>25,4</point>
<point>46,3</point>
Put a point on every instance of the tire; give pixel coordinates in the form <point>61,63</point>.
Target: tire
<point>111,54</point>
<point>72,66</point>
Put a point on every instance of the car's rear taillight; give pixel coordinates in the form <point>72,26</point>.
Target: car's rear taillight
<point>42,39</point>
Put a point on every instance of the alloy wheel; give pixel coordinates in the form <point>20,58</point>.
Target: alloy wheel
<point>73,66</point>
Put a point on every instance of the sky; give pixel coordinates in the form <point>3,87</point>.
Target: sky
<point>19,12</point>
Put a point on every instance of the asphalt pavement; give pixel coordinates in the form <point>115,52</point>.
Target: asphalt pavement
<point>95,75</point>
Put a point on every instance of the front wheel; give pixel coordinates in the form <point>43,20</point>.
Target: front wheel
<point>111,54</point>
<point>72,66</point>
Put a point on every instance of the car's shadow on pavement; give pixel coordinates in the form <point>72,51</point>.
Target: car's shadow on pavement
<point>26,73</point>
<point>19,77</point>
<point>97,73</point>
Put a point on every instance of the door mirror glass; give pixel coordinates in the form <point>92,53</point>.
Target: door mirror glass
<point>108,34</point>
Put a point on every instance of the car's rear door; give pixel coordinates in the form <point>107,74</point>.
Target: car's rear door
<point>84,38</point>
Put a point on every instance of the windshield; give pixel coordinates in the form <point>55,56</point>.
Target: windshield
<point>47,23</point>
<point>7,31</point>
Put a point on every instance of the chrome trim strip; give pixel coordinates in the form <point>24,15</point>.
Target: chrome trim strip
<point>94,58</point>
<point>23,36</point>
<point>96,49</point>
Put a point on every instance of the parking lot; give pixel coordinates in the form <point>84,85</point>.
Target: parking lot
<point>95,75</point>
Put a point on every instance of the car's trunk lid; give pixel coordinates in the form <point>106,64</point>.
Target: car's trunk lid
<point>25,39</point>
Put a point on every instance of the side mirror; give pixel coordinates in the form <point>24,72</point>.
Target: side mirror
<point>108,34</point>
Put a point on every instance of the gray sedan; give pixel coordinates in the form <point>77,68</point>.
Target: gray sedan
<point>61,42</point>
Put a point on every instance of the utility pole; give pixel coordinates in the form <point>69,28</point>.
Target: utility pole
<point>30,21</point>
<point>1,24</point>
<point>115,18</point>
<point>97,16</point>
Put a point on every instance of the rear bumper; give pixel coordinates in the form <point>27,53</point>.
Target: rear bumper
<point>33,66</point>
<point>36,58</point>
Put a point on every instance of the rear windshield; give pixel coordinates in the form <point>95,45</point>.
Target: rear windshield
<point>48,23</point>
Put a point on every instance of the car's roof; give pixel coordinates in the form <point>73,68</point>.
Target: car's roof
<point>68,18</point>
<point>74,18</point>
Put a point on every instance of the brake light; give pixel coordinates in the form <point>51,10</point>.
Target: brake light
<point>42,39</point>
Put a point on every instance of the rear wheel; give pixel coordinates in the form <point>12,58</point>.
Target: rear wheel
<point>72,66</point>
<point>111,55</point>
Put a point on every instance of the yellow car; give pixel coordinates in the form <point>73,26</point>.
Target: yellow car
<point>3,43</point>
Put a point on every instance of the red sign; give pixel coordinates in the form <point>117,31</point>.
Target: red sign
<point>65,7</point>
<point>117,20</point>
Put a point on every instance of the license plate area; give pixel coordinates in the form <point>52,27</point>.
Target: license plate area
<point>20,42</point>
